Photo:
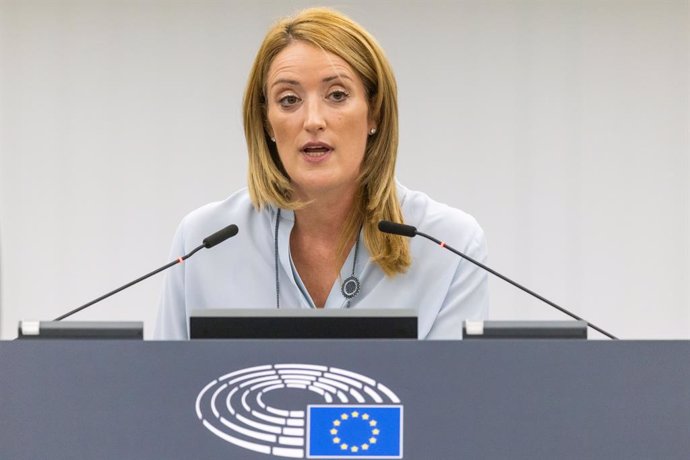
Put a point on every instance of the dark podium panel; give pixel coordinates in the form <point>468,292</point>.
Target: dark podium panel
<point>450,400</point>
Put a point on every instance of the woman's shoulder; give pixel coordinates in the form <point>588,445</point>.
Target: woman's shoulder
<point>238,202</point>
<point>236,209</point>
<point>437,219</point>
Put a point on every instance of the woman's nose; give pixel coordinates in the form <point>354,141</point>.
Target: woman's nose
<point>314,117</point>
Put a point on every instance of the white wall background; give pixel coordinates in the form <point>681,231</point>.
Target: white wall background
<point>561,125</point>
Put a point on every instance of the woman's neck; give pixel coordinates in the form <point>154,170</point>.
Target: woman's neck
<point>324,217</point>
<point>315,241</point>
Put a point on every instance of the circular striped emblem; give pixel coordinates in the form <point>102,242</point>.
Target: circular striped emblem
<point>254,408</point>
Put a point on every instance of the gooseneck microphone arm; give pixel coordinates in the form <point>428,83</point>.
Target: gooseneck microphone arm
<point>208,242</point>
<point>410,231</point>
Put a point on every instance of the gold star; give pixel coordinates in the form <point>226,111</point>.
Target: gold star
<point>354,448</point>
<point>375,431</point>
<point>344,416</point>
<point>343,446</point>
<point>372,440</point>
<point>334,431</point>
<point>336,422</point>
<point>336,440</point>
<point>365,446</point>
<point>365,416</point>
<point>372,423</point>
<point>355,414</point>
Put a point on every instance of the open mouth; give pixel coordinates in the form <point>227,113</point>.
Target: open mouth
<point>315,150</point>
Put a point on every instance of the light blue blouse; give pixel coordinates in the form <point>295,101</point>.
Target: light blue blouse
<point>443,288</point>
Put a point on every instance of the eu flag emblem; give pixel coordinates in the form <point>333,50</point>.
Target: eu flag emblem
<point>354,431</point>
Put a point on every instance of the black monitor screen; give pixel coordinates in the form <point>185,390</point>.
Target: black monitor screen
<point>303,324</point>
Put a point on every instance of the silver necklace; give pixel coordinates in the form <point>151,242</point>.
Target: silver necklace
<point>349,288</point>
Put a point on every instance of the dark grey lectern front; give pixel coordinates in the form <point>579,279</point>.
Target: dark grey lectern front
<point>255,400</point>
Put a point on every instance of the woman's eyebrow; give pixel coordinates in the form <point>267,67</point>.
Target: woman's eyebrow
<point>296,83</point>
<point>336,77</point>
<point>285,80</point>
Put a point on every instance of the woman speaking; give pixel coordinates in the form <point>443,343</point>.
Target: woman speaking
<point>321,125</point>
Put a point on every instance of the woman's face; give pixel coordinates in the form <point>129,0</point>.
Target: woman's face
<point>319,116</point>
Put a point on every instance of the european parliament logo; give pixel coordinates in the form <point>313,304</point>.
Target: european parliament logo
<point>348,415</point>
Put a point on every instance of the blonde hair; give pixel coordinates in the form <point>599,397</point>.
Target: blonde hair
<point>376,198</point>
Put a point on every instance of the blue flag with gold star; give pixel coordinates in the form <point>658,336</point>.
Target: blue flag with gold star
<point>354,431</point>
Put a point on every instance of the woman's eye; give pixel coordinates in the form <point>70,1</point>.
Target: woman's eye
<point>288,101</point>
<point>338,95</point>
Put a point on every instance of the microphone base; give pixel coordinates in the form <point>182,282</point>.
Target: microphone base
<point>524,330</point>
<point>81,330</point>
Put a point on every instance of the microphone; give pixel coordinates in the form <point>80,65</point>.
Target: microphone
<point>397,229</point>
<point>410,231</point>
<point>208,242</point>
<point>220,236</point>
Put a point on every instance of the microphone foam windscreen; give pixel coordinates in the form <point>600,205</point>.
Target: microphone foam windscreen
<point>397,229</point>
<point>220,236</point>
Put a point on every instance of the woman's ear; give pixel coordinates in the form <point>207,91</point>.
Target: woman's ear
<point>269,129</point>
<point>372,120</point>
<point>372,125</point>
